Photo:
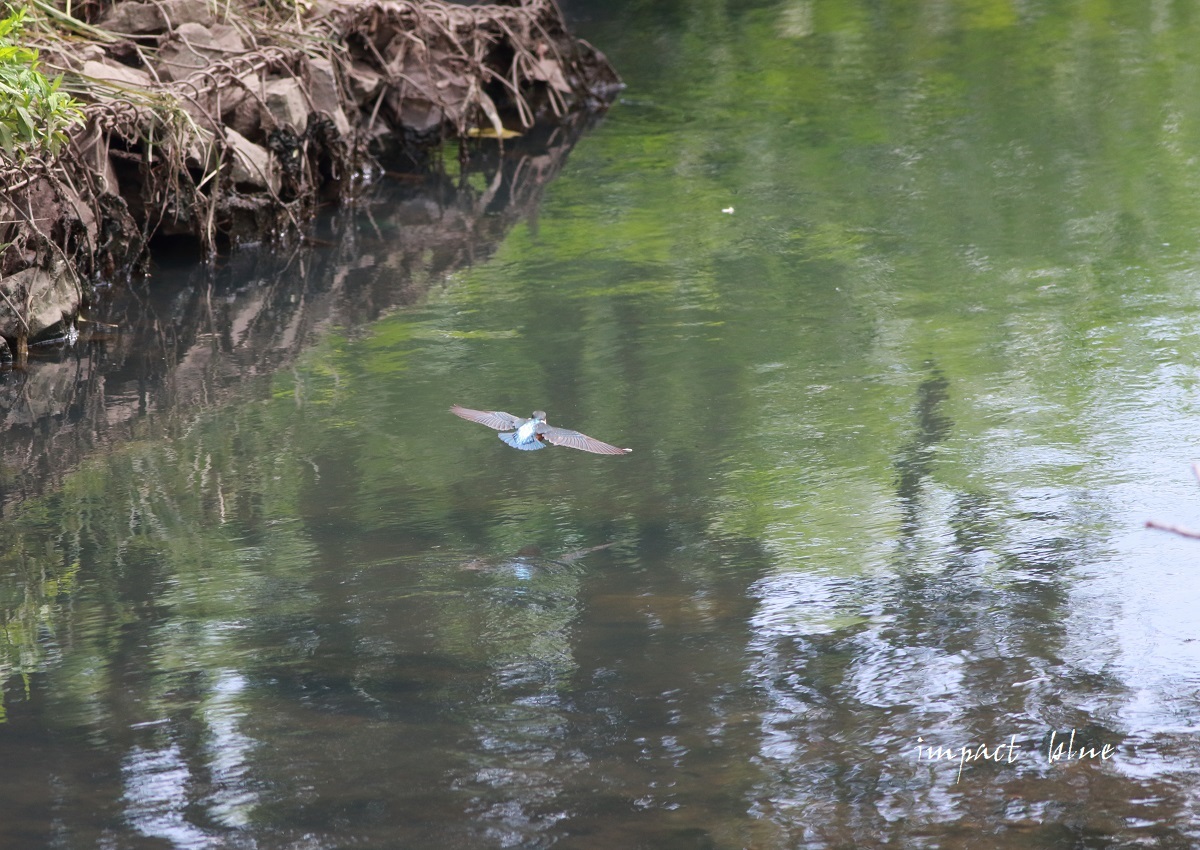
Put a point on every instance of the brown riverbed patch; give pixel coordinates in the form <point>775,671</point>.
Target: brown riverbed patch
<point>224,124</point>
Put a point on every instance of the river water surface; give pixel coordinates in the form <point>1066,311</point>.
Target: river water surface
<point>896,304</point>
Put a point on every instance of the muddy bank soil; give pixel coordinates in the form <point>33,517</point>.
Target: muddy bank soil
<point>228,123</point>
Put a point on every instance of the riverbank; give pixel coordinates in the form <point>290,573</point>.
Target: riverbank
<point>160,353</point>
<point>217,126</point>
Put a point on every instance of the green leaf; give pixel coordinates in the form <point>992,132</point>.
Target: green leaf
<point>25,123</point>
<point>13,23</point>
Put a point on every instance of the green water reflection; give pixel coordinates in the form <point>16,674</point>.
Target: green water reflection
<point>895,304</point>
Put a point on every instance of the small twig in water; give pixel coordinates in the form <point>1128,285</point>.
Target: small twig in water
<point>1174,529</point>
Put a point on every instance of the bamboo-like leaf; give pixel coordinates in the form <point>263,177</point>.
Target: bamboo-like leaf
<point>490,133</point>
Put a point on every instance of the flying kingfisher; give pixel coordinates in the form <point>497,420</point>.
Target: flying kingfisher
<point>532,434</point>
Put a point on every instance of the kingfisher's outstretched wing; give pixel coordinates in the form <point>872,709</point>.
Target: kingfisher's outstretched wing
<point>574,440</point>
<point>497,419</point>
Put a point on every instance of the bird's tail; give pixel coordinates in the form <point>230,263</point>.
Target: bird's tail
<point>530,446</point>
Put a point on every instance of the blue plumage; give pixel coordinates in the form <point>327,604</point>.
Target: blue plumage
<point>513,438</point>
